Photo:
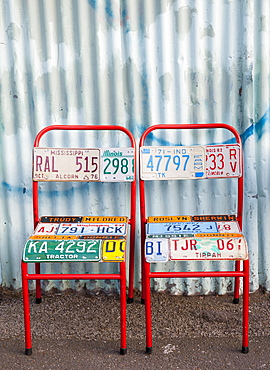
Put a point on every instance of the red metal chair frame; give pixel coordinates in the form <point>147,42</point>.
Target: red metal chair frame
<point>239,272</point>
<point>121,276</point>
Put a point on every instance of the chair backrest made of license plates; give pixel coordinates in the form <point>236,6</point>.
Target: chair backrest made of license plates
<point>191,237</point>
<point>81,238</point>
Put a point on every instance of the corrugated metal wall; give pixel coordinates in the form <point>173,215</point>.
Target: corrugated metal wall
<point>133,63</point>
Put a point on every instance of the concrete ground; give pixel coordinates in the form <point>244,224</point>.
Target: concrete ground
<point>81,331</point>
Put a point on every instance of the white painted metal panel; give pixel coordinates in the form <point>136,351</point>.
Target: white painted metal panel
<point>134,63</point>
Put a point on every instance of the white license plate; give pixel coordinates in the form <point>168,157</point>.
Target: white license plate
<point>117,164</point>
<point>46,229</point>
<point>165,163</point>
<point>228,227</point>
<point>156,250</point>
<point>223,161</point>
<point>208,249</point>
<point>92,229</point>
<point>181,228</point>
<point>66,164</point>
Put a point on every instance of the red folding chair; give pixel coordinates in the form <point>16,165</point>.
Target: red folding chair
<point>80,238</point>
<point>190,237</point>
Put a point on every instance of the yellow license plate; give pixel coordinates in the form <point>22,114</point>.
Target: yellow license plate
<point>113,250</point>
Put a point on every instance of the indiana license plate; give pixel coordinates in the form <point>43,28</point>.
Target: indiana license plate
<point>181,228</point>
<point>62,250</point>
<point>66,164</point>
<point>168,163</point>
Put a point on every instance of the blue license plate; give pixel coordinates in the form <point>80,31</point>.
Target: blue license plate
<point>181,228</point>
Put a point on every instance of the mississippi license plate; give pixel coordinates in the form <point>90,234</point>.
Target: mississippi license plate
<point>62,250</point>
<point>208,248</point>
<point>156,250</point>
<point>165,163</point>
<point>181,228</point>
<point>223,161</point>
<point>66,164</point>
<point>92,229</point>
<point>117,164</point>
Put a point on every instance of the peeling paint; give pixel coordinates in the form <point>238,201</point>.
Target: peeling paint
<point>134,63</point>
<point>207,31</point>
<point>166,84</point>
<point>183,19</point>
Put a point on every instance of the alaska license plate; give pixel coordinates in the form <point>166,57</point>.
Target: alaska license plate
<point>172,163</point>
<point>66,164</point>
<point>208,248</point>
<point>75,250</point>
<point>181,228</point>
<point>117,164</point>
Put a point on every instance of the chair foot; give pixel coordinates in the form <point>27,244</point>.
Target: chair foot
<point>123,351</point>
<point>236,300</point>
<point>38,300</point>
<point>129,300</point>
<point>28,351</point>
<point>245,349</point>
<point>148,350</point>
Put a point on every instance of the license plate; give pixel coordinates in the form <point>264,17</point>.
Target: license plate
<point>208,249</point>
<point>46,229</point>
<point>113,250</point>
<point>156,250</point>
<point>168,218</point>
<point>223,161</point>
<point>92,229</point>
<point>228,227</point>
<point>165,163</point>
<point>66,164</point>
<point>181,228</point>
<point>62,250</point>
<point>117,164</point>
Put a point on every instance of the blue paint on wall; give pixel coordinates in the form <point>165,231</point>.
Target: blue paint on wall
<point>93,3</point>
<point>108,7</point>
<point>125,20</point>
<point>260,128</point>
<point>263,125</point>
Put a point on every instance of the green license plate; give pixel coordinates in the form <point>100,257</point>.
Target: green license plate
<point>75,250</point>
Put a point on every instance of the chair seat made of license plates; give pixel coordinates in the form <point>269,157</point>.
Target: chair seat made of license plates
<point>81,239</point>
<point>203,237</point>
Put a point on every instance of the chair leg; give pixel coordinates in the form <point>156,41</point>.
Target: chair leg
<point>236,284</point>
<point>245,348</point>
<point>123,346</point>
<point>131,268</point>
<point>148,314</point>
<point>38,284</point>
<point>142,270</point>
<point>26,306</point>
